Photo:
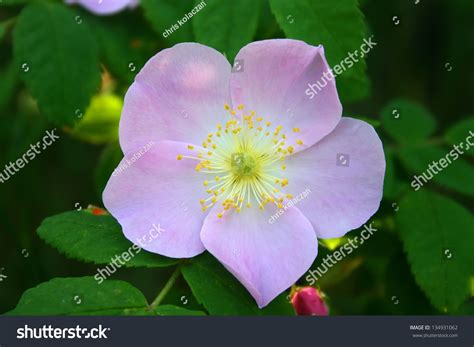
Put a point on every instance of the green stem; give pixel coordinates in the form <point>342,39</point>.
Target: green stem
<point>166,288</point>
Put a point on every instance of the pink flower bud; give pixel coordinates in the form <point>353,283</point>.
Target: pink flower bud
<point>308,301</point>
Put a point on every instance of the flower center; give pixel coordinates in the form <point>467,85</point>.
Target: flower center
<point>244,165</point>
<point>244,161</point>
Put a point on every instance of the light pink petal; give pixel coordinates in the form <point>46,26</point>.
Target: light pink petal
<point>179,95</point>
<point>104,7</point>
<point>344,173</point>
<point>266,258</point>
<point>157,191</point>
<point>272,77</point>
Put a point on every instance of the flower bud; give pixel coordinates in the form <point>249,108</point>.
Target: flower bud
<point>101,121</point>
<point>308,301</point>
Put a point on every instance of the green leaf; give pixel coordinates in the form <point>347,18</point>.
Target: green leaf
<point>8,83</point>
<point>81,296</point>
<point>55,54</point>
<point>457,174</point>
<point>220,292</point>
<point>391,185</point>
<point>407,122</point>
<point>340,28</point>
<point>123,49</point>
<point>237,22</point>
<point>467,309</point>
<point>171,310</point>
<point>164,16</point>
<point>97,239</point>
<point>390,177</point>
<point>459,132</point>
<point>406,299</point>
<point>438,235</point>
<point>2,31</point>
<point>14,2</point>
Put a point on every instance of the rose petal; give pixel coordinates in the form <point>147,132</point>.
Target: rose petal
<point>273,80</point>
<point>104,7</point>
<point>266,258</point>
<point>159,195</point>
<point>344,192</point>
<point>179,95</point>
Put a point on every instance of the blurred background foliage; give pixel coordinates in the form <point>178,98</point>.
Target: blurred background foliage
<point>62,67</point>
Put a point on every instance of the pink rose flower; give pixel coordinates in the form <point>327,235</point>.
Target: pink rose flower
<point>104,7</point>
<point>244,164</point>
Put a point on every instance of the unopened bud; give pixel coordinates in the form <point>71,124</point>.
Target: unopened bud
<point>308,301</point>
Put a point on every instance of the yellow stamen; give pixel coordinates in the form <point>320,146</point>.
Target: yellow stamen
<point>243,163</point>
